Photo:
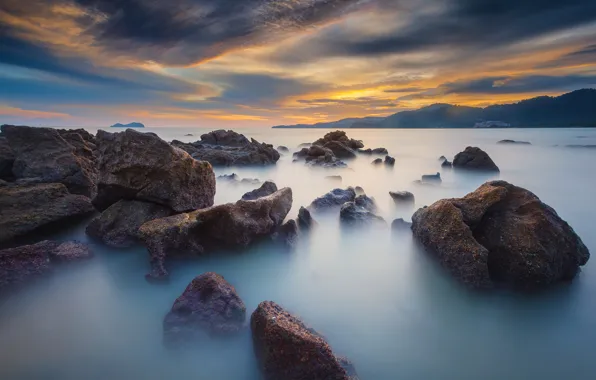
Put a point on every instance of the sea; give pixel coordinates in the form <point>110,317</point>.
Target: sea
<point>375,295</point>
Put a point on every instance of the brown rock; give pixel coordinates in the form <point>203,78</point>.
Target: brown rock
<point>266,188</point>
<point>340,150</point>
<point>473,158</point>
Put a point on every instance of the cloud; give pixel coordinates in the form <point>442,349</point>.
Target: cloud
<point>583,56</point>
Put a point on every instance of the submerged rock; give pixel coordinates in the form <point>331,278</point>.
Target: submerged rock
<point>334,198</point>
<point>25,263</point>
<point>432,178</point>
<point>500,233</point>
<point>334,178</point>
<point>389,161</point>
<point>118,226</point>
<point>24,208</point>
<point>473,158</point>
<point>140,166</point>
<point>358,215</point>
<point>442,158</point>
<point>287,349</point>
<point>231,225</point>
<point>366,202</point>
<point>377,161</point>
<point>209,304</point>
<point>514,142</point>
<point>373,151</point>
<point>305,220</point>
<point>48,155</point>
<point>282,148</point>
<point>402,196</point>
<point>6,159</point>
<point>266,188</point>
<point>401,225</point>
<point>287,234</point>
<point>447,164</point>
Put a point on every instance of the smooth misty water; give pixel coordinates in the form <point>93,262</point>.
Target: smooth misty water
<point>375,295</point>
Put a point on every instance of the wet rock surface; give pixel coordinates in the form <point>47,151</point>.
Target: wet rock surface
<point>352,214</point>
<point>24,208</point>
<point>140,166</point>
<point>500,234</point>
<point>334,198</point>
<point>401,225</point>
<point>402,197</point>
<point>118,226</point>
<point>473,158</point>
<point>389,161</point>
<point>231,225</point>
<point>208,305</point>
<point>266,188</point>
<point>432,178</point>
<point>287,349</point>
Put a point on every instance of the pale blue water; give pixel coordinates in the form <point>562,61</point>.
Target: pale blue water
<point>376,297</point>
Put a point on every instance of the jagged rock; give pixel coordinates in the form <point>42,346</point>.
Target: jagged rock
<point>402,196</point>
<point>377,161</point>
<point>231,225</point>
<point>25,263</point>
<point>401,225</point>
<point>48,155</point>
<point>389,161</point>
<point>473,158</point>
<point>432,178</point>
<point>442,158</point>
<point>355,215</point>
<point>287,349</point>
<point>373,151</point>
<point>514,142</point>
<point>229,177</point>
<point>234,178</point>
<point>339,149</point>
<point>305,220</point>
<point>210,305</point>
<point>24,208</point>
<point>287,234</point>
<point>266,188</point>
<point>500,233</point>
<point>282,148</point>
<point>6,159</point>
<point>446,164</point>
<point>341,137</point>
<point>334,198</point>
<point>118,226</point>
<point>140,166</point>
<point>366,202</point>
<point>228,148</point>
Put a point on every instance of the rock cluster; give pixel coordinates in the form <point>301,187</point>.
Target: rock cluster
<point>374,151</point>
<point>316,155</point>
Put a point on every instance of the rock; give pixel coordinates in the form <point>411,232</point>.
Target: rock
<point>473,158</point>
<point>373,151</point>
<point>432,178</point>
<point>329,161</point>
<point>389,161</point>
<point>334,178</point>
<point>45,155</point>
<point>446,164</point>
<point>25,263</point>
<point>402,196</point>
<point>301,153</point>
<point>377,161</point>
<point>339,150</point>
<point>139,166</point>
<point>287,234</point>
<point>234,178</point>
<point>366,202</point>
<point>341,137</point>
<point>305,220</point>
<point>355,215</point>
<point>317,151</point>
<point>188,134</point>
<point>581,146</point>
<point>442,158</point>
<point>514,142</point>
<point>266,188</point>
<point>228,148</point>
<point>500,233</point>
<point>231,225</point>
<point>304,145</point>
<point>282,148</point>
<point>334,198</point>
<point>118,226</point>
<point>229,177</point>
<point>359,190</point>
<point>24,208</point>
<point>250,181</point>
<point>209,304</point>
<point>401,225</point>
<point>287,349</point>
<point>6,159</point>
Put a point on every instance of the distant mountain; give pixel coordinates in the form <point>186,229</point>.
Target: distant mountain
<point>574,109</point>
<point>129,125</point>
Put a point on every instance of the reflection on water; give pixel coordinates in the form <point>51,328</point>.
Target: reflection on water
<point>375,295</point>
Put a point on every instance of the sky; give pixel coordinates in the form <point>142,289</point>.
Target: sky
<point>236,63</point>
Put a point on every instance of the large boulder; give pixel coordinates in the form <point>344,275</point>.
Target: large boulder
<point>473,158</point>
<point>334,198</point>
<point>6,158</point>
<point>141,166</point>
<point>500,233</point>
<point>50,155</point>
<point>340,150</point>
<point>341,137</point>
<point>24,208</point>
<point>118,226</point>
<point>25,263</point>
<point>287,349</point>
<point>266,188</point>
<point>228,148</point>
<point>231,225</point>
<point>209,305</point>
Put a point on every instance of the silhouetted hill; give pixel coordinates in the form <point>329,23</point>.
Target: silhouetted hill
<point>574,109</point>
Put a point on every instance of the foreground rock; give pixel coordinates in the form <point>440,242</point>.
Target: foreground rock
<point>401,197</point>
<point>48,155</point>
<point>231,225</point>
<point>228,148</point>
<point>500,233</point>
<point>25,263</point>
<point>118,226</point>
<point>287,349</point>
<point>209,305</point>
<point>473,158</point>
<point>141,166</point>
<point>514,142</point>
<point>6,159</point>
<point>24,208</point>
<point>334,198</point>
<point>266,188</point>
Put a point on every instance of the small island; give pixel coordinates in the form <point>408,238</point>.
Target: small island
<point>129,125</point>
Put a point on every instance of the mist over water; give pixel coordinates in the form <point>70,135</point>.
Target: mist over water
<point>374,294</point>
